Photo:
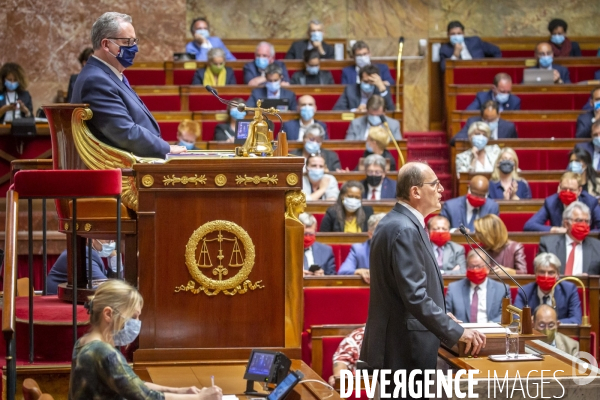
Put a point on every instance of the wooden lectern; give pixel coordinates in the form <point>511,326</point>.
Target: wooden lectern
<point>220,257</point>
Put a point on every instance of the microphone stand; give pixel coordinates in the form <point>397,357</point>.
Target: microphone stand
<point>400,155</point>
<point>398,72</point>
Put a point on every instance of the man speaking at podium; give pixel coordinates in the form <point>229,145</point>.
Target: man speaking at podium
<point>407,313</point>
<point>121,119</point>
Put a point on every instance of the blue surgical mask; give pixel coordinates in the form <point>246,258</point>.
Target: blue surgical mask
<point>557,39</point>
<point>596,141</point>
<point>374,120</point>
<point>11,86</point>
<point>130,331</point>
<point>307,113</point>
<point>546,61</point>
<point>455,39</point>
<point>316,174</point>
<point>316,36</point>
<point>126,55</point>
<point>479,141</point>
<point>493,125</point>
<point>203,32</point>
<point>312,70</point>
<point>187,145</point>
<point>367,87</point>
<point>369,148</point>
<point>273,87</point>
<point>261,62</point>
<point>351,204</point>
<point>596,105</point>
<point>107,249</point>
<point>502,97</point>
<point>237,114</point>
<point>576,167</point>
<point>312,147</point>
<point>362,61</point>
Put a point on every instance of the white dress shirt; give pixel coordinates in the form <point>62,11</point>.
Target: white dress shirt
<point>464,54</point>
<point>416,213</point>
<point>578,261</point>
<point>470,210</point>
<point>310,258</point>
<point>113,69</point>
<point>541,295</point>
<point>275,95</point>
<point>9,116</point>
<point>596,157</point>
<point>482,301</point>
<point>376,190</point>
<point>303,129</point>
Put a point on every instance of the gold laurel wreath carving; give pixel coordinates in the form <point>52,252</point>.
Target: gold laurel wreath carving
<point>243,180</point>
<point>184,180</point>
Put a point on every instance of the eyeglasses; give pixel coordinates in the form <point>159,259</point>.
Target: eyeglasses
<point>551,325</point>
<point>435,184</point>
<point>130,41</point>
<point>578,220</point>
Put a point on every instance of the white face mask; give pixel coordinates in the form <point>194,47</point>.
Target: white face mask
<point>107,249</point>
<point>351,204</point>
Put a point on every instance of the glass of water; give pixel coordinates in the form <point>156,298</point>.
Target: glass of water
<point>512,340</point>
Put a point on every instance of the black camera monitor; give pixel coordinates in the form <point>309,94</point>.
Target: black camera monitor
<point>242,127</point>
<point>266,366</point>
<point>279,104</point>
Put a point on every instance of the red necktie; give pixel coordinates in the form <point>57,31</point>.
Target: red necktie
<point>570,260</point>
<point>474,305</point>
<point>373,194</point>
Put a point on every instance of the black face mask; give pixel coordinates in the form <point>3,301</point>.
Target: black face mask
<point>374,180</point>
<point>506,167</point>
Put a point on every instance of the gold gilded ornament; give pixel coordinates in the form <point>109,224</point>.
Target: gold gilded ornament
<point>220,180</point>
<point>243,180</point>
<point>292,179</point>
<point>295,203</point>
<point>184,180</point>
<point>202,269</point>
<point>147,180</point>
<point>87,227</point>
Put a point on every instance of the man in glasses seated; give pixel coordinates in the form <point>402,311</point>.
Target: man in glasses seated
<point>545,321</point>
<point>120,118</point>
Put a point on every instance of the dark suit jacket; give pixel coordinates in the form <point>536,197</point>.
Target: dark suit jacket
<point>297,49</point>
<point>221,132</point>
<point>350,99</point>
<point>453,255</point>
<point>552,211</point>
<point>388,188</point>
<point>456,211</point>
<point>323,256</point>
<point>349,74</point>
<point>496,191</point>
<point>575,49</point>
<point>292,129</point>
<point>58,273</point>
<point>589,147</point>
<point>557,245</point>
<point>386,154</point>
<point>597,75</point>
<point>407,313</point>
<point>506,130</point>
<point>199,76</point>
<point>358,258</point>
<point>261,94</point>
<point>458,301</point>
<point>121,119</point>
<point>477,47</point>
<point>566,299</point>
<point>513,103</point>
<point>22,95</point>
<point>251,71</point>
<point>72,80</point>
<point>584,125</point>
<point>325,78</point>
<point>331,224</point>
<point>332,160</point>
<point>563,71</point>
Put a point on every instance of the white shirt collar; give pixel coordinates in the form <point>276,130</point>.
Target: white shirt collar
<point>302,124</point>
<point>416,213</point>
<point>570,240</point>
<point>482,285</point>
<point>113,69</point>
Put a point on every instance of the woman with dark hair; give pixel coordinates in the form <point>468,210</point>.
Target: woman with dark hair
<point>225,132</point>
<point>579,160</point>
<point>347,214</point>
<point>312,73</point>
<point>561,45</point>
<point>15,101</point>
<point>83,57</point>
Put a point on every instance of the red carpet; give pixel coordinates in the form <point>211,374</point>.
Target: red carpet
<point>50,310</point>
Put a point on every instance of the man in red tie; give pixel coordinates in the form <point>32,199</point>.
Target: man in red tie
<point>377,185</point>
<point>579,253</point>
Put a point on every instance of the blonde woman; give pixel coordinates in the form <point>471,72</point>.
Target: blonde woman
<point>377,140</point>
<point>505,182</point>
<point>492,232</point>
<point>481,157</point>
<point>99,370</point>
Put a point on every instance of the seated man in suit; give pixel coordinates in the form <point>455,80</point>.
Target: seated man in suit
<point>314,41</point>
<point>464,210</point>
<point>585,121</point>
<point>546,321</point>
<point>203,42</point>
<point>254,71</point>
<point>215,73</point>
<point>313,139</point>
<point>545,57</point>
<point>295,128</point>
<point>357,261</point>
<point>564,297</point>
<point>476,298</point>
<point>120,118</point>
<point>377,185</point>
<point>561,45</point>
<point>465,48</point>
<point>597,75</point>
<point>356,95</point>
<point>359,127</point>
<point>272,89</point>
<point>362,58</point>
<point>569,190</point>
<point>579,253</point>
<point>500,92</point>
<point>490,114</point>
<point>315,253</point>
<point>593,146</point>
<point>450,255</point>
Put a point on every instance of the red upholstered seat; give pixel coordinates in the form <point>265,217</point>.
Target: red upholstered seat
<point>515,221</point>
<point>168,130</point>
<point>478,75</point>
<point>513,294</point>
<point>330,345</point>
<point>337,129</point>
<point>537,101</point>
<point>183,76</point>
<point>68,183</point>
<point>517,53</point>
<point>546,129</point>
<point>541,190</point>
<point>162,102</point>
<point>340,252</point>
<point>146,76</point>
<point>549,159</point>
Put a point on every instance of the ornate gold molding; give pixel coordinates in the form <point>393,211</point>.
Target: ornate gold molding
<point>292,179</point>
<point>220,180</point>
<point>184,180</point>
<point>295,203</point>
<point>243,180</point>
<point>147,180</point>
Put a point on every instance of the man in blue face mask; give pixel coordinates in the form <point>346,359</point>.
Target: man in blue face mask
<point>314,41</point>
<point>359,127</point>
<point>545,57</point>
<point>356,95</point>
<point>593,147</point>
<point>500,92</point>
<point>460,47</point>
<point>585,121</point>
<point>254,71</point>
<point>203,41</point>
<point>120,118</point>
<point>296,128</point>
<point>272,89</point>
<point>490,114</point>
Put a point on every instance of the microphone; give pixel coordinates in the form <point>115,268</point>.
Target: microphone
<point>384,123</point>
<point>401,40</point>
<point>212,91</point>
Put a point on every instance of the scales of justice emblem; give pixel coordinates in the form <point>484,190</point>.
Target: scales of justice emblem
<point>209,267</point>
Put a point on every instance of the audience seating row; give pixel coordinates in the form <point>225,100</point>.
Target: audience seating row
<point>542,183</point>
<point>243,49</point>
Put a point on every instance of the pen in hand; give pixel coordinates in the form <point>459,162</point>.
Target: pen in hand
<point>212,380</point>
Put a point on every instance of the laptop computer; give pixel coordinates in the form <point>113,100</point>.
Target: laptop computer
<point>537,76</point>
<point>280,104</point>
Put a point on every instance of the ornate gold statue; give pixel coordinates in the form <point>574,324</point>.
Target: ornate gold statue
<point>295,203</point>
<point>260,139</point>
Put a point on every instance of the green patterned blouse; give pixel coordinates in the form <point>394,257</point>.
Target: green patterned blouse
<point>99,371</point>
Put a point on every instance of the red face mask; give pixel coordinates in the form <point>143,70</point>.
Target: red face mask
<point>567,197</point>
<point>580,230</point>
<point>475,201</point>
<point>545,282</point>
<point>309,239</point>
<point>477,276</point>
<point>439,238</point>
